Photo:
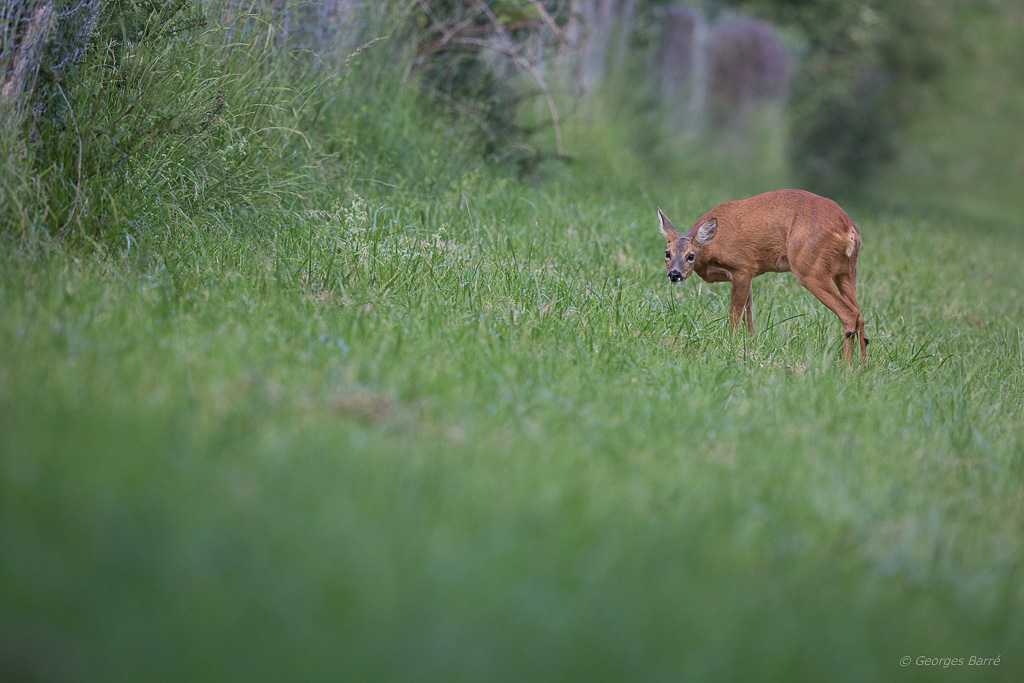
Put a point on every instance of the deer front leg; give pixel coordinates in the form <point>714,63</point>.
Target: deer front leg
<point>742,297</point>
<point>748,310</point>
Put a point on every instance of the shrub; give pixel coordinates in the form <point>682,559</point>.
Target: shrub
<point>147,121</point>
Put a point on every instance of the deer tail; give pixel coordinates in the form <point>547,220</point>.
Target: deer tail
<point>853,241</point>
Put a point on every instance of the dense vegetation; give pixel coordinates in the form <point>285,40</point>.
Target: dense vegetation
<point>297,382</point>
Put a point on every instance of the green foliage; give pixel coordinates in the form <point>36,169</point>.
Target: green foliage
<point>125,24</point>
<point>960,156</point>
<point>861,78</point>
<point>148,124</point>
<point>473,58</point>
<point>371,408</point>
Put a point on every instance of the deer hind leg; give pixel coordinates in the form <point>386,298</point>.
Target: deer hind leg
<point>741,305</point>
<point>847,284</point>
<point>848,314</point>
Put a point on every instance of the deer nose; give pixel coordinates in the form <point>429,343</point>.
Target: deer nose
<point>675,276</point>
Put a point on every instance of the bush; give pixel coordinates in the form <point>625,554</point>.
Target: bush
<point>863,66</point>
<point>151,122</point>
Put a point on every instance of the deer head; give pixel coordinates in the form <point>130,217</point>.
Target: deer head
<point>683,251</point>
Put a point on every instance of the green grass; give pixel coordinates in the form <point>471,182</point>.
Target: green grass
<point>455,426</point>
<point>505,450</point>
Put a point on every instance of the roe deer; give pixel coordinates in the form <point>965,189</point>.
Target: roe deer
<point>774,232</point>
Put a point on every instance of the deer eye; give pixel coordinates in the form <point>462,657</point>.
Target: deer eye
<point>689,257</point>
<point>668,255</point>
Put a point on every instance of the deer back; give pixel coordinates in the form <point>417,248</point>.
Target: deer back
<point>759,234</point>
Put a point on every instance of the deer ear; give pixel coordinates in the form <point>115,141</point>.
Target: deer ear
<point>706,232</point>
<point>666,227</point>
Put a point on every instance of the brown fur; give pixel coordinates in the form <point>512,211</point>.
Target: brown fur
<point>775,232</point>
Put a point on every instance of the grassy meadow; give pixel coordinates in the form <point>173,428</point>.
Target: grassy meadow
<point>322,395</point>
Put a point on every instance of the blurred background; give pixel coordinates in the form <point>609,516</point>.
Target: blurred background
<point>906,104</point>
